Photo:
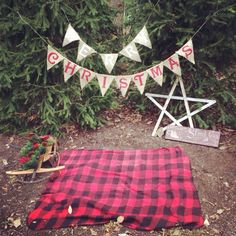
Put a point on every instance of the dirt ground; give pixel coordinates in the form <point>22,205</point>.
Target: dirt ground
<point>214,172</point>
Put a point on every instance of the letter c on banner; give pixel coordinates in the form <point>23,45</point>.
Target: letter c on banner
<point>54,56</point>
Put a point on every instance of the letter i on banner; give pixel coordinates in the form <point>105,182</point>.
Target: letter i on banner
<point>53,57</point>
<point>85,77</point>
<point>140,81</point>
<point>187,51</point>
<point>123,83</point>
<point>173,64</point>
<point>104,82</point>
<point>70,69</point>
<point>156,72</point>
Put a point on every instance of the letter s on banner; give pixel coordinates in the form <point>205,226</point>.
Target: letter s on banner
<point>123,83</point>
<point>187,51</point>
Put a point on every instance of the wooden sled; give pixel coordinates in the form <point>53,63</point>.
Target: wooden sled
<point>51,157</point>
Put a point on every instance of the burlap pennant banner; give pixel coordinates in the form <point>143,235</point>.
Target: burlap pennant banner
<point>143,38</point>
<point>187,51</point>
<point>173,64</point>
<point>70,36</point>
<point>70,69</point>
<point>131,52</point>
<point>140,80</point>
<point>104,82</point>
<point>156,72</point>
<point>123,82</point>
<point>109,60</point>
<point>86,76</point>
<point>53,57</point>
<point>84,50</point>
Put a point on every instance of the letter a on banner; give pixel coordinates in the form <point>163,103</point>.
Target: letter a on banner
<point>173,64</point>
<point>131,52</point>
<point>70,69</point>
<point>187,51</point>
<point>123,83</point>
<point>53,57</point>
<point>156,72</point>
<point>143,38</point>
<point>84,50</point>
<point>104,82</point>
<point>140,80</point>
<point>85,77</point>
<point>109,60</point>
<point>70,36</point>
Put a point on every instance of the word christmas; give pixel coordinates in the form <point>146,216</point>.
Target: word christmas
<point>123,81</point>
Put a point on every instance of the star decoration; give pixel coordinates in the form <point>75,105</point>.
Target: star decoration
<point>159,131</point>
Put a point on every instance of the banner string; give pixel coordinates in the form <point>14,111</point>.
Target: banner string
<point>65,16</point>
<point>35,31</point>
<point>195,33</point>
<point>154,6</point>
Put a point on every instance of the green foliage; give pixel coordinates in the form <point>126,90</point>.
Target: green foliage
<point>213,76</point>
<point>30,96</point>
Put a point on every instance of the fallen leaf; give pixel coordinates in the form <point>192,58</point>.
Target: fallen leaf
<point>11,139</point>
<point>160,132</point>
<point>176,232</point>
<point>93,232</point>
<point>220,211</point>
<point>4,161</point>
<point>214,217</point>
<point>120,219</point>
<point>70,209</point>
<point>206,222</point>
<point>226,184</point>
<point>17,222</point>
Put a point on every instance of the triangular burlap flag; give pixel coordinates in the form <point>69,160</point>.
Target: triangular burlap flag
<point>104,82</point>
<point>143,38</point>
<point>123,83</point>
<point>187,51</point>
<point>131,52</point>
<point>140,80</point>
<point>109,60</point>
<point>70,36</point>
<point>53,57</point>
<point>156,72</point>
<point>173,64</point>
<point>84,50</point>
<point>86,76</point>
<point>70,69</point>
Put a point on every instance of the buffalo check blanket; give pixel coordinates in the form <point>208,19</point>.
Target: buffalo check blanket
<point>150,188</point>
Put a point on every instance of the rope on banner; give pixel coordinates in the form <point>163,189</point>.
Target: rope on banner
<point>196,32</point>
<point>154,6</point>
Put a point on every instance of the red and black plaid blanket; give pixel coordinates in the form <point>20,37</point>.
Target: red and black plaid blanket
<point>150,188</point>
